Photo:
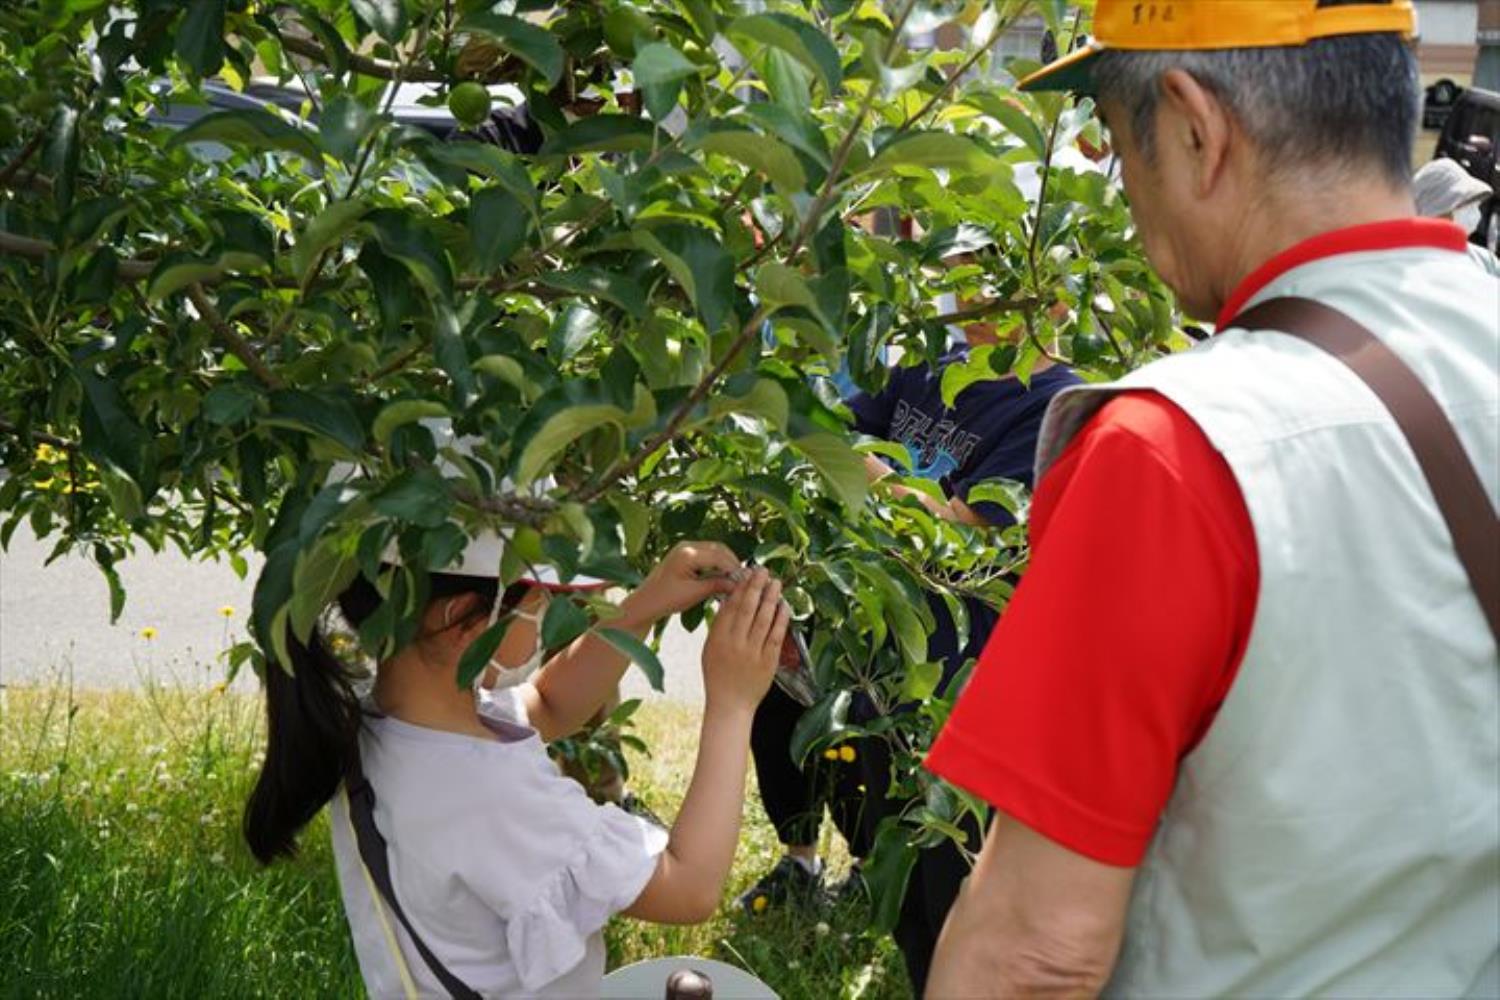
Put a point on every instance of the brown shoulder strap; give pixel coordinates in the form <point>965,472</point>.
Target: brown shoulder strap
<point>1450,475</point>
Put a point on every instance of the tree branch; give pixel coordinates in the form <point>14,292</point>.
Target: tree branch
<point>956,75</point>
<point>24,246</point>
<point>40,436</point>
<point>988,309</point>
<point>309,49</point>
<point>22,158</point>
<point>680,415</point>
<point>238,346</point>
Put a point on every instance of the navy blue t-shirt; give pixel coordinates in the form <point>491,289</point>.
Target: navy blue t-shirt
<point>990,432</point>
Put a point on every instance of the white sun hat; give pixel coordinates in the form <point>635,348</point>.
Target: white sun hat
<point>481,557</point>
<point>1442,187</point>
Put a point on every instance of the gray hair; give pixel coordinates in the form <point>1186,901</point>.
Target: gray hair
<point>1338,102</point>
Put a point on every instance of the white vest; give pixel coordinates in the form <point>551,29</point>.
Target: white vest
<point>1337,831</point>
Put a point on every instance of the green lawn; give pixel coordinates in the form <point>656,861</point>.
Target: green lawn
<point>122,873</point>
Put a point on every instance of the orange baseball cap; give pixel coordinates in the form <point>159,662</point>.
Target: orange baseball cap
<point>1202,25</point>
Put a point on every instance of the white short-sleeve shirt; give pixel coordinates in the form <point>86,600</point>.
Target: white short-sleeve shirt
<point>505,867</point>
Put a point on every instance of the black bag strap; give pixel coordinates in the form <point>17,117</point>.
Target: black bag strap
<point>1450,475</point>
<point>374,854</point>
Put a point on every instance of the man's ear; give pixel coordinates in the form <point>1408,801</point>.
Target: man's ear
<point>1199,123</point>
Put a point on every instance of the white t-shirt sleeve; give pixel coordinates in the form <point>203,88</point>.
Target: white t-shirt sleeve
<point>562,864</point>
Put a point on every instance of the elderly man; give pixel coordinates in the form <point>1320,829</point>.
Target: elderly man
<point>1239,722</point>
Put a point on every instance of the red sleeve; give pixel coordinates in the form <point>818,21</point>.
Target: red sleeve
<point>1121,641</point>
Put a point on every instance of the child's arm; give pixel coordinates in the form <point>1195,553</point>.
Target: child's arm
<point>575,682</point>
<point>738,664</point>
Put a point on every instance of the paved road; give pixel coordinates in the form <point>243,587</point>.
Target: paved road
<point>54,622</point>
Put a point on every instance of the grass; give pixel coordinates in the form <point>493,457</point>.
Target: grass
<point>122,873</point>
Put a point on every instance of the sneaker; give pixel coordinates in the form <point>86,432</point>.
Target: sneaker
<point>789,881</point>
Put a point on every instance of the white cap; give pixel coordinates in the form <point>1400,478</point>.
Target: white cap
<point>481,557</point>
<point>1442,187</point>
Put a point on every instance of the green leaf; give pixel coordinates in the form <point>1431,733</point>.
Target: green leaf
<point>111,434</point>
<point>576,324</point>
<point>178,270</point>
<point>61,155</point>
<point>406,239</point>
<point>559,431</point>
<point>602,134</point>
<point>404,411</point>
<point>906,624</point>
<point>887,871</point>
<point>640,654</point>
<point>608,286</point>
<point>507,369</point>
<point>386,17</point>
<point>779,285</point>
<point>481,650</point>
<point>798,39</point>
<point>321,575</point>
<point>486,161</point>
<point>200,37</point>
<point>452,355</point>
<point>228,403</point>
<point>252,128</point>
<point>89,217</point>
<point>659,70</point>
<point>635,521</point>
<point>921,681</point>
<point>536,46</point>
<point>116,589</point>
<point>840,465</point>
<point>1015,119</point>
<point>958,377</point>
<point>498,227</point>
<point>796,128</point>
<point>417,496</point>
<point>333,223</point>
<point>928,149</point>
<point>318,413</point>
<point>763,153</point>
<point>563,622</point>
<point>818,723</point>
<point>766,399</point>
<point>344,124</point>
<point>700,264</point>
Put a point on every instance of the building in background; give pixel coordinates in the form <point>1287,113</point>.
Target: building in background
<point>1487,65</point>
<point>1448,43</point>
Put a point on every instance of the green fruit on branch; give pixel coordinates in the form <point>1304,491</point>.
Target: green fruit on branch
<point>470,103</point>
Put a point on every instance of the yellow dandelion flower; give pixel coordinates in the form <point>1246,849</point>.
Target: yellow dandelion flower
<point>846,754</point>
<point>148,633</point>
<point>830,754</point>
<point>227,611</point>
<point>759,903</point>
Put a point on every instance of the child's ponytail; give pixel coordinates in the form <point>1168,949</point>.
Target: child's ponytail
<point>313,720</point>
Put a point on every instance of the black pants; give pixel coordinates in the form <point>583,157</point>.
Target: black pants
<point>855,794</point>
<point>794,797</point>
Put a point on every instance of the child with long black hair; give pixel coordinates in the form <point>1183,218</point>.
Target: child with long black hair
<point>505,869</point>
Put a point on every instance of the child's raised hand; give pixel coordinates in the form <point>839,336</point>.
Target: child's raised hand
<point>739,659</point>
<point>690,574</point>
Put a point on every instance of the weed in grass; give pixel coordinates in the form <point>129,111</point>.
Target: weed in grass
<point>122,872</point>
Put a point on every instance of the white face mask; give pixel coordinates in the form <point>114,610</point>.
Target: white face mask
<point>506,677</point>
<point>1467,218</point>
